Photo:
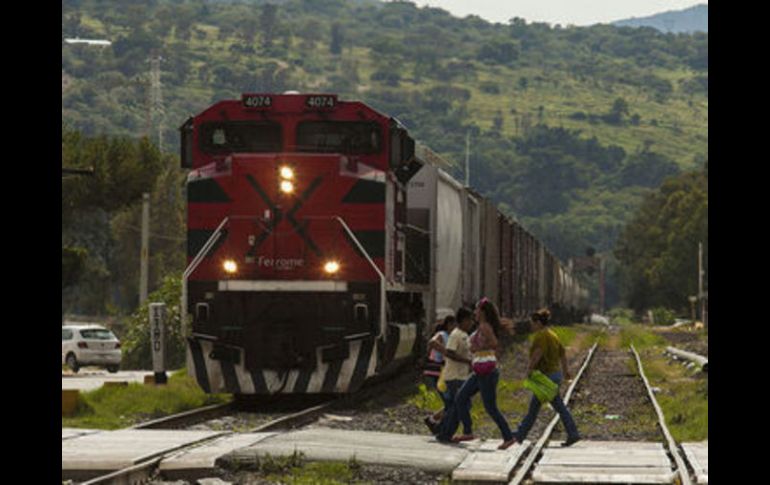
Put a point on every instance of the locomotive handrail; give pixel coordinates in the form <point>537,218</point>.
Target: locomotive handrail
<point>383,323</point>
<point>194,264</point>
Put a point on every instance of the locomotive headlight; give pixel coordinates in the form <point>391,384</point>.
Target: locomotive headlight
<point>331,267</point>
<point>287,173</point>
<point>287,187</point>
<point>230,266</point>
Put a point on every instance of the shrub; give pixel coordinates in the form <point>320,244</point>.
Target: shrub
<point>663,316</point>
<point>136,340</point>
<point>621,316</point>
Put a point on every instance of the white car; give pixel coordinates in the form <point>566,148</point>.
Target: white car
<point>83,345</point>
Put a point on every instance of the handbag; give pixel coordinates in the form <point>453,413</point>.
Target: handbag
<point>541,386</point>
<point>441,383</point>
<point>484,362</point>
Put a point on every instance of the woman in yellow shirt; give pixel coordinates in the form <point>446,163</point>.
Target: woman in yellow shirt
<point>546,355</point>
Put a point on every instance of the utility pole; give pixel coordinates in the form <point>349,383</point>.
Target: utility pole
<point>601,285</point>
<point>144,257</point>
<point>467,159</point>
<point>700,281</point>
<point>156,100</point>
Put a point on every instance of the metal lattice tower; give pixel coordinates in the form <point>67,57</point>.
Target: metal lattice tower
<point>157,111</point>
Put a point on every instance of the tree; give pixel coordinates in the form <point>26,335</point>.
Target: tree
<point>123,170</point>
<point>338,36</point>
<point>268,24</point>
<point>658,248</point>
<point>617,112</point>
<point>500,50</point>
<point>647,169</point>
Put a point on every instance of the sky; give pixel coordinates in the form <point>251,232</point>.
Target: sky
<point>564,12</point>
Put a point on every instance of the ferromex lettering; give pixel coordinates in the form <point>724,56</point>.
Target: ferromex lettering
<point>280,264</point>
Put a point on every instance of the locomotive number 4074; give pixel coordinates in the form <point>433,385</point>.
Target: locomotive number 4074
<point>256,101</point>
<point>320,101</point>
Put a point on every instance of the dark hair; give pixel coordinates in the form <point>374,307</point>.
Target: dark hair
<point>491,315</point>
<point>448,320</point>
<point>543,316</point>
<point>463,313</point>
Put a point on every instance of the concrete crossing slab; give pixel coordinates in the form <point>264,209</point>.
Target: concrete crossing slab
<point>368,447</point>
<point>698,456</point>
<point>489,464</point>
<point>68,433</point>
<point>113,450</point>
<point>604,462</point>
<point>201,460</point>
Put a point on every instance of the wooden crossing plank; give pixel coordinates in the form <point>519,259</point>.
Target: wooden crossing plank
<point>487,463</point>
<point>607,460</point>
<point>698,456</point>
<point>624,445</point>
<point>69,433</point>
<point>368,447</point>
<point>202,459</point>
<point>560,474</point>
<point>113,450</point>
<point>604,462</point>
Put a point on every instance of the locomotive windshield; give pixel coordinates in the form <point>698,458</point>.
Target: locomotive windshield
<point>240,136</point>
<point>350,137</point>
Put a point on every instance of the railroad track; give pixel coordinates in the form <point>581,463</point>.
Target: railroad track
<point>144,471</point>
<point>680,469</point>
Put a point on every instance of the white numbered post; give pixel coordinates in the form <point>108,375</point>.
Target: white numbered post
<point>158,341</point>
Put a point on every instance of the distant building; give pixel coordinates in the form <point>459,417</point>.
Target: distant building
<point>88,42</point>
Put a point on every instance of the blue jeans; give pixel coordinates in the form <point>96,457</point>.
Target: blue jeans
<point>453,387</point>
<point>487,385</point>
<point>558,405</point>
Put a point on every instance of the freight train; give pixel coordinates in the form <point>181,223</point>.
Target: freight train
<point>323,243</point>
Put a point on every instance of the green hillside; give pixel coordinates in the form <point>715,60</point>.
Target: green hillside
<point>570,127</point>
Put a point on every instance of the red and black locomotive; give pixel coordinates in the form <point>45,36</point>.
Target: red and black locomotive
<point>308,269</point>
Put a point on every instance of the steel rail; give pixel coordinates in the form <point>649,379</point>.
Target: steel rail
<point>186,417</point>
<point>141,472</point>
<point>682,471</point>
<point>699,360</point>
<point>533,454</point>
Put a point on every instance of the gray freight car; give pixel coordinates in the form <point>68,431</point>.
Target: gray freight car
<point>470,249</point>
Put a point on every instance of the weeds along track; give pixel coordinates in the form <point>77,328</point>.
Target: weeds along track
<point>689,341</point>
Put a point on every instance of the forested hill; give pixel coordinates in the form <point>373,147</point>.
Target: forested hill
<point>570,127</point>
<point>693,19</point>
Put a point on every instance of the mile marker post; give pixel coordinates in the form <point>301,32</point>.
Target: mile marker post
<point>158,341</point>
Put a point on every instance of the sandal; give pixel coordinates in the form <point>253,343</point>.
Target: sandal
<point>507,444</point>
<point>463,437</point>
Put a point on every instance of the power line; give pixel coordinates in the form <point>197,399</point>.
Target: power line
<point>157,236</point>
<point>156,112</point>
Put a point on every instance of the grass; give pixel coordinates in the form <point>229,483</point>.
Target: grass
<point>683,399</point>
<point>640,337</point>
<point>295,470</point>
<point>121,406</point>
